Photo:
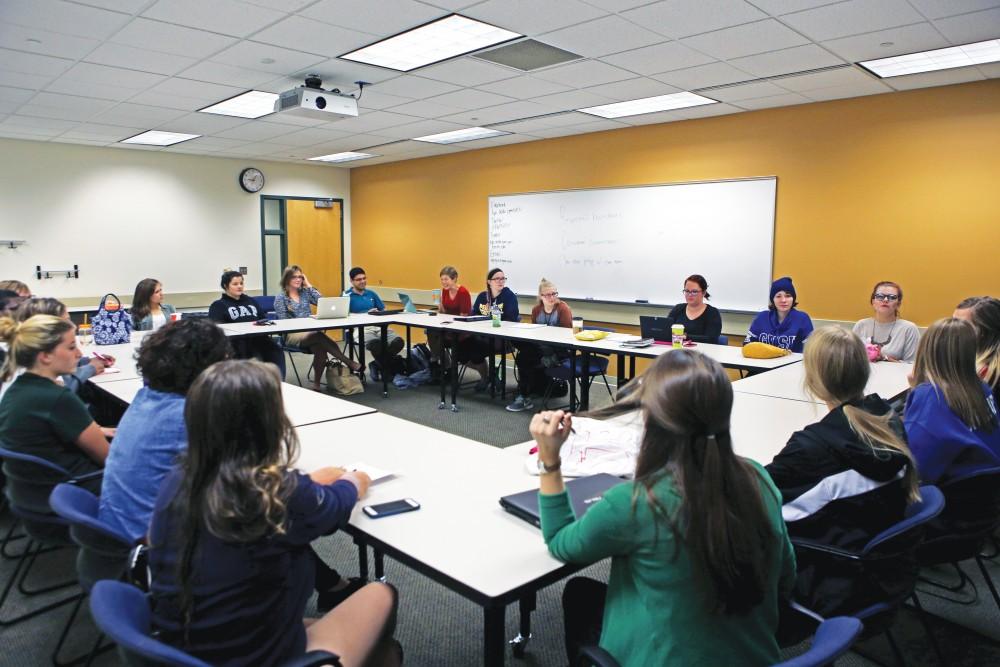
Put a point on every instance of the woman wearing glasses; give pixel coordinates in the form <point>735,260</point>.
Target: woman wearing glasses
<point>894,338</point>
<point>702,322</point>
<point>496,295</point>
<point>533,359</point>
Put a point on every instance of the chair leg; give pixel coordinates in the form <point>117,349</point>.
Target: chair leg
<point>85,658</point>
<point>895,649</point>
<point>11,537</point>
<point>291,362</point>
<point>607,386</point>
<point>989,580</point>
<point>928,629</point>
<point>22,586</point>
<point>4,622</point>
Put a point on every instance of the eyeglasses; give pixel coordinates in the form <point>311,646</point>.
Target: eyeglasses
<point>878,296</point>
<point>498,280</point>
<point>691,292</point>
<point>551,295</point>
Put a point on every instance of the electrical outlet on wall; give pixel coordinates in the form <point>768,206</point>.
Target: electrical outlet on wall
<point>243,270</point>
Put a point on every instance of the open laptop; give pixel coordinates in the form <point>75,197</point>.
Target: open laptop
<point>409,306</point>
<point>583,492</point>
<point>657,328</point>
<point>333,307</point>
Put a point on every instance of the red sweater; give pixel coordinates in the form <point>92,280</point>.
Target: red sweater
<point>461,305</point>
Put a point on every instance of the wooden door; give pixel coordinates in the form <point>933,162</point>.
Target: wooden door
<point>315,242</point>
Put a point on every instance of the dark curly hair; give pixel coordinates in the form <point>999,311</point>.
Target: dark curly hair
<point>174,355</point>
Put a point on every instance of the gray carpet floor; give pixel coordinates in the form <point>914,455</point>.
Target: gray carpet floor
<point>440,628</point>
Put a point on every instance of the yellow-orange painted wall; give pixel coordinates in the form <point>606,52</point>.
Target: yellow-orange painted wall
<point>902,186</point>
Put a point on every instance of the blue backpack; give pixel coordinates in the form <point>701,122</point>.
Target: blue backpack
<point>111,326</point>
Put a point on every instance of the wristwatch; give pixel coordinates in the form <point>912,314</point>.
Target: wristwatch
<point>543,468</point>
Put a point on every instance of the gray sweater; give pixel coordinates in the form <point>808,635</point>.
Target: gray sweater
<point>902,335</point>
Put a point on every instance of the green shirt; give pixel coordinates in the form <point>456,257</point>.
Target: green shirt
<point>44,419</point>
<point>655,614</point>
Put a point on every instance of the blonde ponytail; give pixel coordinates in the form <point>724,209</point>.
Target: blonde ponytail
<point>28,339</point>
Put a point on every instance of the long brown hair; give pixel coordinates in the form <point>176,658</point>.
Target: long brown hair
<point>946,358</point>
<point>985,314</point>
<point>837,370</point>
<point>140,300</point>
<point>240,444</point>
<point>686,399</point>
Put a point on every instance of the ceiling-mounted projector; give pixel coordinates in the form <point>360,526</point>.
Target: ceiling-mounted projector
<point>312,101</point>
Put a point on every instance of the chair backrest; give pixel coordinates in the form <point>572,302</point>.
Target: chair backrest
<point>972,503</point>
<point>103,551</point>
<point>723,340</point>
<point>833,639</point>
<point>910,531</point>
<point>121,611</point>
<point>30,480</point>
<point>266,303</point>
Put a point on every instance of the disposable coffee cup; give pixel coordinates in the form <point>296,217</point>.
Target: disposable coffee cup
<point>174,317</point>
<point>677,334</point>
<point>577,325</point>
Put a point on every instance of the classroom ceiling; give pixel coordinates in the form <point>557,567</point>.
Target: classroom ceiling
<point>95,72</point>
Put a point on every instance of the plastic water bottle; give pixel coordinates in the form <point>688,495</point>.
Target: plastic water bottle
<point>496,316</point>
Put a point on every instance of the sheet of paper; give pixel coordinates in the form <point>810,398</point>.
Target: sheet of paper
<point>620,336</point>
<point>111,369</point>
<point>377,474</point>
<point>526,325</point>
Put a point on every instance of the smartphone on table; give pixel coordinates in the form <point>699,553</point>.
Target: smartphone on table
<point>390,508</point>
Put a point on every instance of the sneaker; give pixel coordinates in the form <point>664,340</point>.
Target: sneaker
<point>520,404</point>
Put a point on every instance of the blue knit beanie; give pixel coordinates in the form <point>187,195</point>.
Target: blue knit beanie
<point>783,284</point>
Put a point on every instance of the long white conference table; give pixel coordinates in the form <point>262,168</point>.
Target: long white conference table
<point>888,379</point>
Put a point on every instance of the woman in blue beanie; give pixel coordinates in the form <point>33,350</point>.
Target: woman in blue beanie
<point>781,324</point>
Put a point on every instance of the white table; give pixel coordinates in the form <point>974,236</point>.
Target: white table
<point>460,537</point>
<point>124,354</point>
<point>888,379</point>
<point>303,406</point>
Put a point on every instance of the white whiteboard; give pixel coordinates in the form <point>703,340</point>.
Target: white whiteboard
<point>639,243</point>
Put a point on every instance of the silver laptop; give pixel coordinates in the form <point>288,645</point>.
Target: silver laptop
<point>333,307</point>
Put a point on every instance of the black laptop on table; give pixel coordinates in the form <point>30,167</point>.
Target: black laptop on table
<point>583,492</point>
<point>657,328</point>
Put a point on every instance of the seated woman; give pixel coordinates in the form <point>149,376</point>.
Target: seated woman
<point>235,306</point>
<point>151,433</point>
<point>40,417</point>
<point>295,299</point>
<point>148,310</point>
<point>18,287</point>
<point>496,296</point>
<point>229,540</point>
<point>950,414</point>
<point>699,554</point>
<point>781,325</point>
<point>896,339</point>
<point>455,300</point>
<point>984,313</point>
<point>846,478</point>
<point>702,322</point>
<point>533,358</point>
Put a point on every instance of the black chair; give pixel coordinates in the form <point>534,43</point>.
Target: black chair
<point>573,367</point>
<point>121,611</point>
<point>103,551</point>
<point>834,637</point>
<point>30,480</point>
<point>884,571</point>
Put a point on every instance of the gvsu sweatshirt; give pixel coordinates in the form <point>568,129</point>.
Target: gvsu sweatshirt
<point>506,301</point>
<point>789,334</point>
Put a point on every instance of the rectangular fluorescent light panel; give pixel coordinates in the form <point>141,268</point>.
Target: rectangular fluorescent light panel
<point>436,41</point>
<point>456,136</point>
<point>251,104</point>
<point>157,138</point>
<point>648,105</point>
<point>349,156</point>
<point>931,61</point>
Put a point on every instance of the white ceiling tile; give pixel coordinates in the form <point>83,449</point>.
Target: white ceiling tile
<point>381,19</point>
<point>530,17</point>
<point>304,34</point>
<point>167,38</point>
<point>372,122</point>
<point>658,58</point>
<point>572,99</point>
<point>682,19</point>
<point>227,75</point>
<point>938,9</point>
<point>786,61</point>
<point>502,140</point>
<point>18,95</point>
<point>154,99</point>
<point>251,131</point>
<point>990,70</point>
<point>30,63</point>
<point>37,111</point>
<point>313,136</point>
<point>704,76</point>
<point>281,5</point>
<point>373,99</point>
<point>597,125</point>
<point>43,123</point>
<point>97,131</point>
<point>859,89</point>
<point>12,128</point>
<point>907,39</point>
<point>62,17</point>
<point>616,5</point>
<point>266,57</point>
<point>467,72</point>
<point>421,129</point>
<point>779,7</point>
<point>64,139</point>
<point>836,77</point>
<point>126,6</point>
<point>609,34</point>
<point>112,76</point>
<point>341,74</point>
<point>139,114</point>
<point>69,86</point>
<point>451,5</point>
<point>52,44</point>
<point>81,105</point>
<point>538,124</point>
<point>23,80</point>
<point>401,147</point>
<point>425,109</point>
<point>470,98</point>
<point>201,123</point>
<point>226,17</point>
<point>414,87</point>
<point>500,113</point>
<point>197,90</point>
<point>746,40</point>
<point>214,143</point>
<point>974,27</point>
<point>930,79</point>
<point>747,91</point>
<point>524,87</point>
<point>787,99</point>
<point>633,89</point>
<point>119,55</point>
<point>709,110</point>
<point>289,119</point>
<point>585,73</point>
<point>852,17</point>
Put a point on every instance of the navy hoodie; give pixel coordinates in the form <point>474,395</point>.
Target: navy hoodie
<point>506,301</point>
<point>789,335</point>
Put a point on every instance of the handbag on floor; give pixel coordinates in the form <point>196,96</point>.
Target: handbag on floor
<point>342,381</point>
<point>112,324</point>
